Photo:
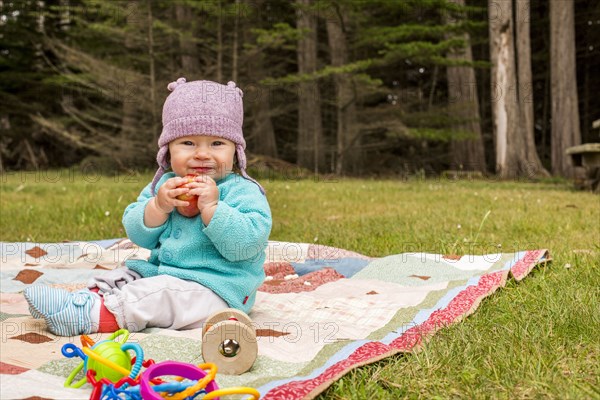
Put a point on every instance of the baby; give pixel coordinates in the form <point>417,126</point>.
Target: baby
<point>197,265</point>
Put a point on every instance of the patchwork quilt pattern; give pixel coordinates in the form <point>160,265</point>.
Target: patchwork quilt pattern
<point>321,311</point>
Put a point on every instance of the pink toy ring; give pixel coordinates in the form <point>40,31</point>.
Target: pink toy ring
<point>187,371</point>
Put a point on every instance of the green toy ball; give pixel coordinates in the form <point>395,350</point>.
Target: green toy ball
<point>111,351</point>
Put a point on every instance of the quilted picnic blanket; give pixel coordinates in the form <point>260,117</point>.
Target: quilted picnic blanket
<point>321,312</point>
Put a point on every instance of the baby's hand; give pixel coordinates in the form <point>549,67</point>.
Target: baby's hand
<point>166,198</point>
<point>207,191</point>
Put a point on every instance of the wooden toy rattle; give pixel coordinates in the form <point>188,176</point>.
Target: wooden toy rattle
<point>229,341</point>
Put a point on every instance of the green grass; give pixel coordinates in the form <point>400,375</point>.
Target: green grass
<point>535,339</point>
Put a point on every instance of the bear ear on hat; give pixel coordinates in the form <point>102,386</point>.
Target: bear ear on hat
<point>232,85</point>
<point>173,85</point>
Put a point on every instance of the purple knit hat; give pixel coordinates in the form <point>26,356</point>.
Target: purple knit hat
<point>202,108</point>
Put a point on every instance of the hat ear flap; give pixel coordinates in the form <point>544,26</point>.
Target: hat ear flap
<point>241,156</point>
<point>163,157</point>
<point>159,174</point>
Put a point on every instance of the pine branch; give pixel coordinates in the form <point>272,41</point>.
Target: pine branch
<point>58,130</point>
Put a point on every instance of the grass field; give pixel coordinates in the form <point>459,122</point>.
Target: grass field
<point>536,339</point>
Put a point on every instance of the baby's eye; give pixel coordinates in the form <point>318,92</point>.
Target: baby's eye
<point>188,143</point>
<point>218,143</point>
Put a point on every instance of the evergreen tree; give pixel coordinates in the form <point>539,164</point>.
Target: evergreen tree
<point>27,87</point>
<point>565,103</point>
<point>84,79</point>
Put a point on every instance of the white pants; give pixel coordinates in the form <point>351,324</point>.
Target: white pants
<point>161,301</point>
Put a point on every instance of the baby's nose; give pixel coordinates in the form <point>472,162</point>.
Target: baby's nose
<point>201,152</point>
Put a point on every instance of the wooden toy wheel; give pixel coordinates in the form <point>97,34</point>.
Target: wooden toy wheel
<point>227,314</point>
<point>231,345</point>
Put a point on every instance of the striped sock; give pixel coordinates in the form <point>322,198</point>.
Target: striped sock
<point>65,313</point>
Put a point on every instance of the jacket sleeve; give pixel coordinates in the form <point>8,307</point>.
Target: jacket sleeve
<point>241,224</point>
<point>133,222</point>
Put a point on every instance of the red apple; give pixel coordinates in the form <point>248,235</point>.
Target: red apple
<point>190,210</point>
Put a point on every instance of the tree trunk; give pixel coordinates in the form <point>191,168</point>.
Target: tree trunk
<point>234,55</point>
<point>262,134</point>
<point>155,132</point>
<point>40,28</point>
<point>189,52</point>
<point>434,80</point>
<point>466,154</point>
<point>348,158</point>
<point>262,131</point>
<point>65,24</point>
<point>525,88</point>
<point>545,107</point>
<point>220,44</point>
<point>587,124</point>
<point>506,116</point>
<point>310,129</point>
<point>65,15</point>
<point>129,120</point>
<point>565,108</point>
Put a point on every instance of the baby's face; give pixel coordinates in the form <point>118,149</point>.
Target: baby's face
<point>202,155</point>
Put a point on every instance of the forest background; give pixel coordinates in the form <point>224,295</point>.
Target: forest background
<point>358,88</point>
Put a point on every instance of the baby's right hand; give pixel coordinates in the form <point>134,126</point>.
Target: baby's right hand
<point>166,198</point>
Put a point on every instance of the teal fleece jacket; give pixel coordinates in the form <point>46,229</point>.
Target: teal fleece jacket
<point>226,256</point>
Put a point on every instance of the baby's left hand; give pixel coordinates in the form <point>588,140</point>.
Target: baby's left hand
<point>207,191</point>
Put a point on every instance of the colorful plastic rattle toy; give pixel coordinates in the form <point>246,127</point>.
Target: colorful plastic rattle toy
<point>202,382</point>
<point>190,382</point>
<point>229,341</point>
<point>108,358</point>
<point>114,375</point>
